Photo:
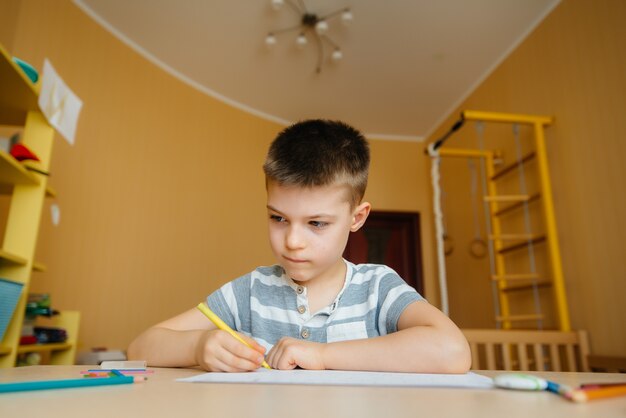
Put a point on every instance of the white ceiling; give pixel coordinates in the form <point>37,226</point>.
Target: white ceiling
<point>407,63</point>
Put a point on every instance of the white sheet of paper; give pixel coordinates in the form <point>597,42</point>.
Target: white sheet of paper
<point>346,378</point>
<point>58,103</point>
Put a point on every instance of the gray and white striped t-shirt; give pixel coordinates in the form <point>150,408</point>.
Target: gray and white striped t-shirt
<point>268,305</point>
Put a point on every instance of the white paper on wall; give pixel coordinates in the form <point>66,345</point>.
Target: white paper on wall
<point>58,103</point>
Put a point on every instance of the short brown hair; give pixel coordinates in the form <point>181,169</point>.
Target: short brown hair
<point>318,153</point>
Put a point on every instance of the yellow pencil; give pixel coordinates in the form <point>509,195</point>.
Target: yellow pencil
<point>583,395</point>
<point>222,325</point>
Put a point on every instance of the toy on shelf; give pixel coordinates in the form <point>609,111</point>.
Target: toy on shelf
<point>22,153</point>
<point>28,69</point>
<point>39,305</point>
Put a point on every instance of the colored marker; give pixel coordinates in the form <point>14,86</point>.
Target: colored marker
<point>520,381</point>
<point>222,325</point>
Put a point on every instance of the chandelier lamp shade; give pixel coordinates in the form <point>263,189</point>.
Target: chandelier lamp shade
<point>311,27</point>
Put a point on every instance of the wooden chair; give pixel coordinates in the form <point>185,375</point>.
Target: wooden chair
<point>607,364</point>
<point>557,351</point>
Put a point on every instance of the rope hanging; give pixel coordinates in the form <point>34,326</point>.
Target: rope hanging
<point>439,231</point>
<point>431,150</point>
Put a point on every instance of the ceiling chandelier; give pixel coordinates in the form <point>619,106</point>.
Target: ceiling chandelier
<point>311,26</point>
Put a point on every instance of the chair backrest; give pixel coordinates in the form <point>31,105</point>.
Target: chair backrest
<point>607,364</point>
<point>494,349</point>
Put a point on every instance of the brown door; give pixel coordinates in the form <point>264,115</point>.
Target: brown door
<point>390,238</point>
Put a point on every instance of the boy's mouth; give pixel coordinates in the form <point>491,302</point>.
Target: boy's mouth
<point>294,260</point>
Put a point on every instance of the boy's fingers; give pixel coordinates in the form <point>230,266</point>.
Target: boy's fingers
<point>218,366</point>
<point>242,351</point>
<point>240,358</point>
<point>232,355</point>
<point>252,342</point>
<point>274,356</point>
<point>223,360</point>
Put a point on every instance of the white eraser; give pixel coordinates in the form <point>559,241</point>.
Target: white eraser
<point>124,365</point>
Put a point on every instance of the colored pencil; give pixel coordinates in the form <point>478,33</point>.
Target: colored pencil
<point>125,372</point>
<point>584,395</point>
<point>601,385</point>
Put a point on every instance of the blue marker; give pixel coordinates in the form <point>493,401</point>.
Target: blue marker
<point>520,381</point>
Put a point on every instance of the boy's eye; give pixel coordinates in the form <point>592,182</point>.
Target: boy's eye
<point>277,218</point>
<point>318,224</point>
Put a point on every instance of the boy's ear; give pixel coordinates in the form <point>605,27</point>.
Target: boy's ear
<point>359,216</point>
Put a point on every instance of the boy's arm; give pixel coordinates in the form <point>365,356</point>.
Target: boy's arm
<point>190,339</point>
<point>427,341</point>
<point>171,343</point>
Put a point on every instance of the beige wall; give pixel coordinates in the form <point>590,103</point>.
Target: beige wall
<point>573,66</point>
<point>162,197</point>
<point>8,16</point>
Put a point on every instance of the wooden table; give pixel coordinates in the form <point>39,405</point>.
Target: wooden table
<point>162,396</point>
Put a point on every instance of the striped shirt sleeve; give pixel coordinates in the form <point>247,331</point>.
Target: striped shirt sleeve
<point>394,295</point>
<point>231,303</point>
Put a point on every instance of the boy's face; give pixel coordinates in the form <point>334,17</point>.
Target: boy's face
<point>309,228</point>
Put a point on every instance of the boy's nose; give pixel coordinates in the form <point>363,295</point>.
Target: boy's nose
<point>294,239</point>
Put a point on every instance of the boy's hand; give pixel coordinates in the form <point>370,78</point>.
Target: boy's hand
<point>290,353</point>
<point>218,351</point>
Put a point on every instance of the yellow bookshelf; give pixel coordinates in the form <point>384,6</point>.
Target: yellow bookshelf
<point>18,107</point>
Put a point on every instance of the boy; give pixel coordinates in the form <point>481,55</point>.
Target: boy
<point>313,309</point>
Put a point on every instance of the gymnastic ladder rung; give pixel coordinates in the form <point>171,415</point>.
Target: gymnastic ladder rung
<point>536,239</point>
<point>519,318</point>
<point>511,167</point>
<point>528,286</point>
<point>520,276</point>
<point>512,237</point>
<point>510,208</point>
<point>508,198</point>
